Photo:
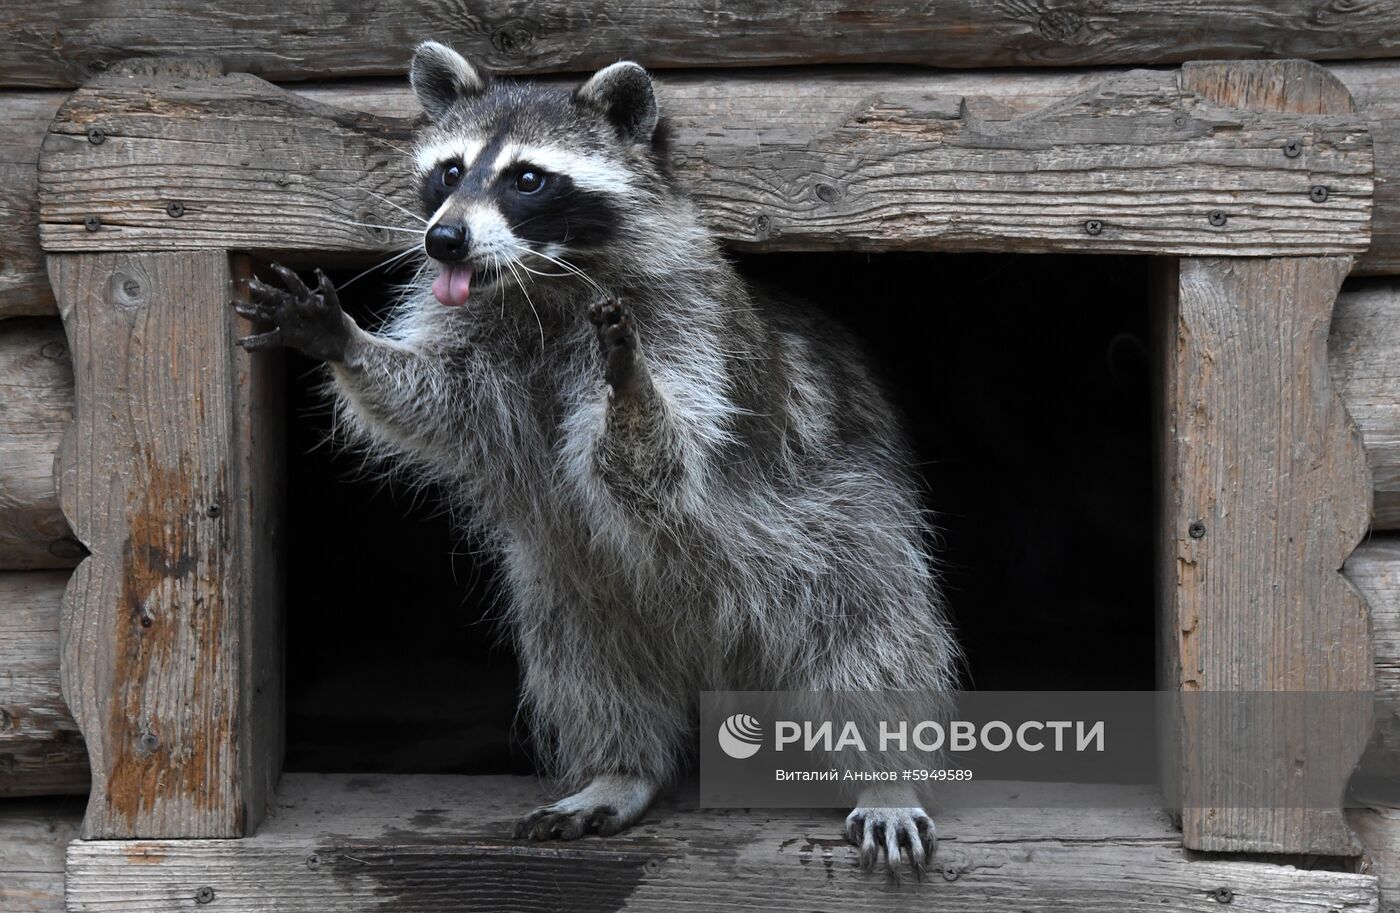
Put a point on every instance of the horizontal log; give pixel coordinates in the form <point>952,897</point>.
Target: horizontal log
<point>41,752</point>
<point>1374,568</point>
<point>352,843</point>
<point>34,838</point>
<point>65,42</point>
<point>24,118</point>
<point>1141,158</point>
<point>36,405</point>
<point>1364,352</point>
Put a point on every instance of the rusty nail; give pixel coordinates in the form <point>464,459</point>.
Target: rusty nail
<point>175,209</point>
<point>146,622</point>
<point>1317,193</point>
<point>1292,148</point>
<point>1197,529</point>
<point>92,223</point>
<point>204,895</point>
<point>1093,226</point>
<point>96,136</point>
<point>1222,895</point>
<point>1216,217</point>
<point>313,861</point>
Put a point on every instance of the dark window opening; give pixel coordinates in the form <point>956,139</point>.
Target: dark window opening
<point>1025,385</point>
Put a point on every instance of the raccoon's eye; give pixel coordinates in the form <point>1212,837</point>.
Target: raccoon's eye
<point>452,175</point>
<point>529,180</point>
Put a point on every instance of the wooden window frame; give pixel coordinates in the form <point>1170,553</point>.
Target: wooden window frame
<point>1251,182</point>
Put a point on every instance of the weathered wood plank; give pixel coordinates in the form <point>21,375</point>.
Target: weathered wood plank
<point>65,42</point>
<point>256,167</point>
<point>41,752</point>
<point>1264,492</point>
<point>34,838</point>
<point>36,405</point>
<point>1364,352</point>
<point>24,286</point>
<point>349,843</point>
<point>160,481</point>
<point>1374,568</point>
<point>1379,830</point>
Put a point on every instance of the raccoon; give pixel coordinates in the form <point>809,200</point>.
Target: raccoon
<point>690,486</point>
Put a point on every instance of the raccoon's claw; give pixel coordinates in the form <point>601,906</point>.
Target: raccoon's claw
<point>310,321</point>
<point>556,823</point>
<point>874,830</point>
<point>616,340</point>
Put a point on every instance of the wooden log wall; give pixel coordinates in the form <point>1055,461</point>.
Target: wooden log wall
<point>34,838</point>
<point>66,42</point>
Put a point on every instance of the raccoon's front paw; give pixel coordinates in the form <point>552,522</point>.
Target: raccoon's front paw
<point>890,830</point>
<point>616,340</point>
<point>311,322</point>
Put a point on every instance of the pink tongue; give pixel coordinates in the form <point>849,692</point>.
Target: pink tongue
<point>453,285</point>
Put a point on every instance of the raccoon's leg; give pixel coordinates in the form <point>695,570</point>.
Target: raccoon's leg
<point>604,807</point>
<point>891,820</point>
<point>638,455</point>
<point>391,392</point>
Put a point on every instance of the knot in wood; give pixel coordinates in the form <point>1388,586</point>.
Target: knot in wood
<point>513,39</point>
<point>828,193</point>
<point>1060,25</point>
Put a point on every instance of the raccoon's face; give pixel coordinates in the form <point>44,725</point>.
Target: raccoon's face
<point>520,181</point>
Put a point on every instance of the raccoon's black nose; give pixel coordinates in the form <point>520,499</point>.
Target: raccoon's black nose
<point>447,242</point>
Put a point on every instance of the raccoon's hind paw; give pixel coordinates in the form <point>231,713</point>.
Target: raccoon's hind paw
<point>310,321</point>
<point>874,830</point>
<point>616,340</point>
<point>556,823</point>
<point>609,804</point>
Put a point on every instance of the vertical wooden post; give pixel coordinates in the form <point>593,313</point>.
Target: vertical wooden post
<point>171,663</point>
<point>1264,494</point>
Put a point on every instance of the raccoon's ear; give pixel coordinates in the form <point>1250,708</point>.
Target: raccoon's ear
<point>623,94</point>
<point>441,77</point>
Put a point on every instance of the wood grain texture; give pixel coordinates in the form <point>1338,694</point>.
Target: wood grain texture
<point>159,481</point>
<point>34,838</point>
<point>1379,830</point>
<point>36,405</point>
<point>1365,359</point>
<point>1264,493</point>
<point>877,165</point>
<point>41,751</point>
<point>24,118</point>
<point>66,42</point>
<point>350,844</point>
<point>1374,568</point>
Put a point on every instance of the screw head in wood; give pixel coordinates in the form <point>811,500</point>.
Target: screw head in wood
<point>204,895</point>
<point>96,136</point>
<point>313,861</point>
<point>652,866</point>
<point>1179,120</point>
<point>92,223</point>
<point>1222,895</point>
<point>1197,529</point>
<point>951,873</point>
<point>1293,148</point>
<point>1216,217</point>
<point>175,209</point>
<point>214,511</point>
<point>1093,226</point>
<point>149,741</point>
<point>1317,193</point>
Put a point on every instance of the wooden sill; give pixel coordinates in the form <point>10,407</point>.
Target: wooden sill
<point>347,843</point>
